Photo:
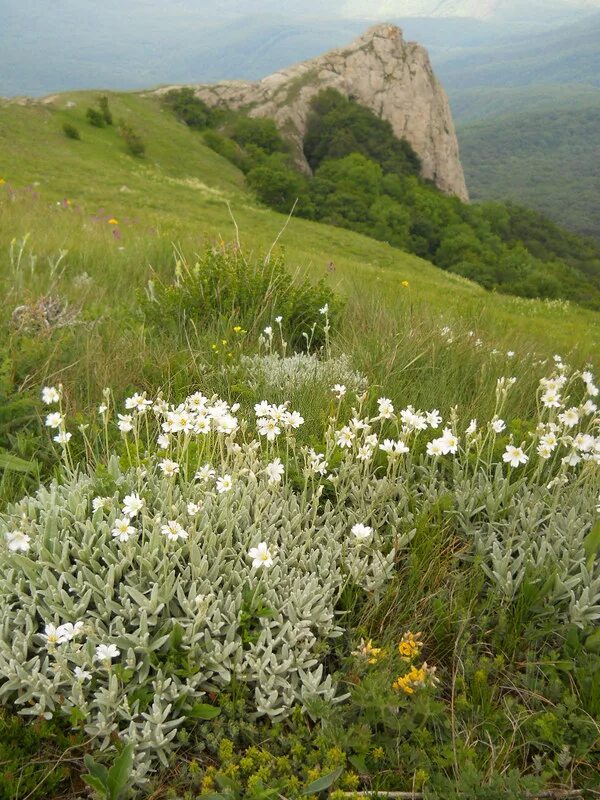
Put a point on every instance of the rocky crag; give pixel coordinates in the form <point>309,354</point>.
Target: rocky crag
<point>380,70</point>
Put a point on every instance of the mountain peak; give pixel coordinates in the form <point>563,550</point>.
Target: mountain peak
<point>379,70</point>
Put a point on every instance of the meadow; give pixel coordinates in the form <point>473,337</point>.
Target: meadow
<point>285,510</point>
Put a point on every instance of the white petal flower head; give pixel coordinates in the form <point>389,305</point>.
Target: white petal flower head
<point>102,408</point>
<point>514,456</point>
<point>569,418</point>
<point>365,452</point>
<point>69,631</point>
<point>106,652</point>
<point>64,437</point>
<point>125,423</point>
<point>472,429</point>
<point>132,505</point>
<point>205,473</point>
<point>174,531</point>
<point>449,442</point>
<point>261,556</point>
<point>269,331</point>
<point>262,409</point>
<point>434,419</point>
<point>101,503</point>
<point>53,635</point>
<point>54,420</point>
<point>294,420</point>
<point>339,390</point>
<point>361,532</point>
<point>278,320</point>
<point>435,448</point>
<point>275,471</point>
<point>498,425</point>
<point>386,408</point>
<point>268,427</point>
<point>572,459</point>
<point>163,441</point>
<point>551,399</point>
<point>544,451</point>
<point>324,309</point>
<point>18,541</point>
<point>193,509</point>
<point>224,484</point>
<point>82,674</point>
<point>123,530</point>
<point>401,447</point>
<point>388,446</point>
<point>50,395</point>
<point>345,437</point>
<point>169,468</point>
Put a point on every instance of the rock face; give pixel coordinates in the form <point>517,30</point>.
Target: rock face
<point>379,70</point>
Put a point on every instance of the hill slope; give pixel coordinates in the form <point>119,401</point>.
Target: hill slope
<point>165,198</point>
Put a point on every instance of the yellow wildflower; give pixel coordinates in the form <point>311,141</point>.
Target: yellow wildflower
<point>405,284</point>
<point>2,181</point>
<point>366,650</point>
<point>410,646</point>
<point>113,221</point>
<point>237,328</point>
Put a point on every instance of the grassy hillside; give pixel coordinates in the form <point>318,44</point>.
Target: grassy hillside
<point>545,159</point>
<point>232,570</point>
<point>187,198</point>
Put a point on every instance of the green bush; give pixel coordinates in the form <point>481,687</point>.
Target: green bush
<point>95,117</point>
<point>70,131</point>
<point>228,149</point>
<point>105,110</point>
<point>188,108</point>
<point>133,140</point>
<point>226,287</point>
<point>261,132</point>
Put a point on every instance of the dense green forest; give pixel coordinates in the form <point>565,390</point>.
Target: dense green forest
<point>539,158</point>
<point>367,180</point>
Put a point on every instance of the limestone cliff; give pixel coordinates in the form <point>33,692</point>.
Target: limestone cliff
<point>379,70</point>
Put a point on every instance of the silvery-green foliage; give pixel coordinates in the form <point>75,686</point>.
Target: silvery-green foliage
<point>274,372</point>
<point>142,593</point>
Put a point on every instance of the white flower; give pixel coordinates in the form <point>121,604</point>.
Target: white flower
<point>588,408</point>
<point>17,541</point>
<point>193,509</point>
<point>275,471</point>
<point>261,556</point>
<point>294,420</point>
<point>174,531</point>
<point>138,403</point>
<point>549,440</point>
<point>386,408</point>
<point>278,320</point>
<point>163,441</point>
<point>132,505</point>
<point>102,408</point>
<point>584,442</point>
<point>572,459</point>
<point>388,446</point>
<point>122,530</point>
<point>125,423</point>
<point>401,447</point>
<point>472,428</point>
<point>54,635</point>
<point>268,428</point>
<point>262,409</point>
<point>168,467</point>
<point>82,674</point>
<point>68,630</point>
<point>510,354</point>
<point>101,502</point>
<point>544,451</point>
<point>448,442</point>
<point>365,452</point>
<point>106,652</point>
<point>339,390</point>
<point>64,437</point>
<point>269,331</point>
<point>202,425</point>
<point>551,399</point>
<point>324,309</point>
<point>434,419</point>
<point>224,484</point>
<point>361,532</point>
<point>317,462</point>
<point>345,437</point>
<point>569,418</point>
<point>514,456</point>
<point>54,420</point>
<point>50,395</point>
<point>498,425</point>
<point>435,448</point>
<point>205,473</point>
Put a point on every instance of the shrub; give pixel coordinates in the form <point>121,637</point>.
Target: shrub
<point>105,110</point>
<point>225,287</point>
<point>133,140</point>
<point>70,131</point>
<point>260,132</point>
<point>188,108</point>
<point>228,149</point>
<point>95,117</point>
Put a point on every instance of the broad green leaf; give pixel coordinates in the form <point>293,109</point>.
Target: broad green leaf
<point>592,643</point>
<point>204,711</point>
<point>118,774</point>
<point>591,543</point>
<point>16,464</point>
<point>324,782</point>
<point>95,783</point>
<point>95,769</point>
